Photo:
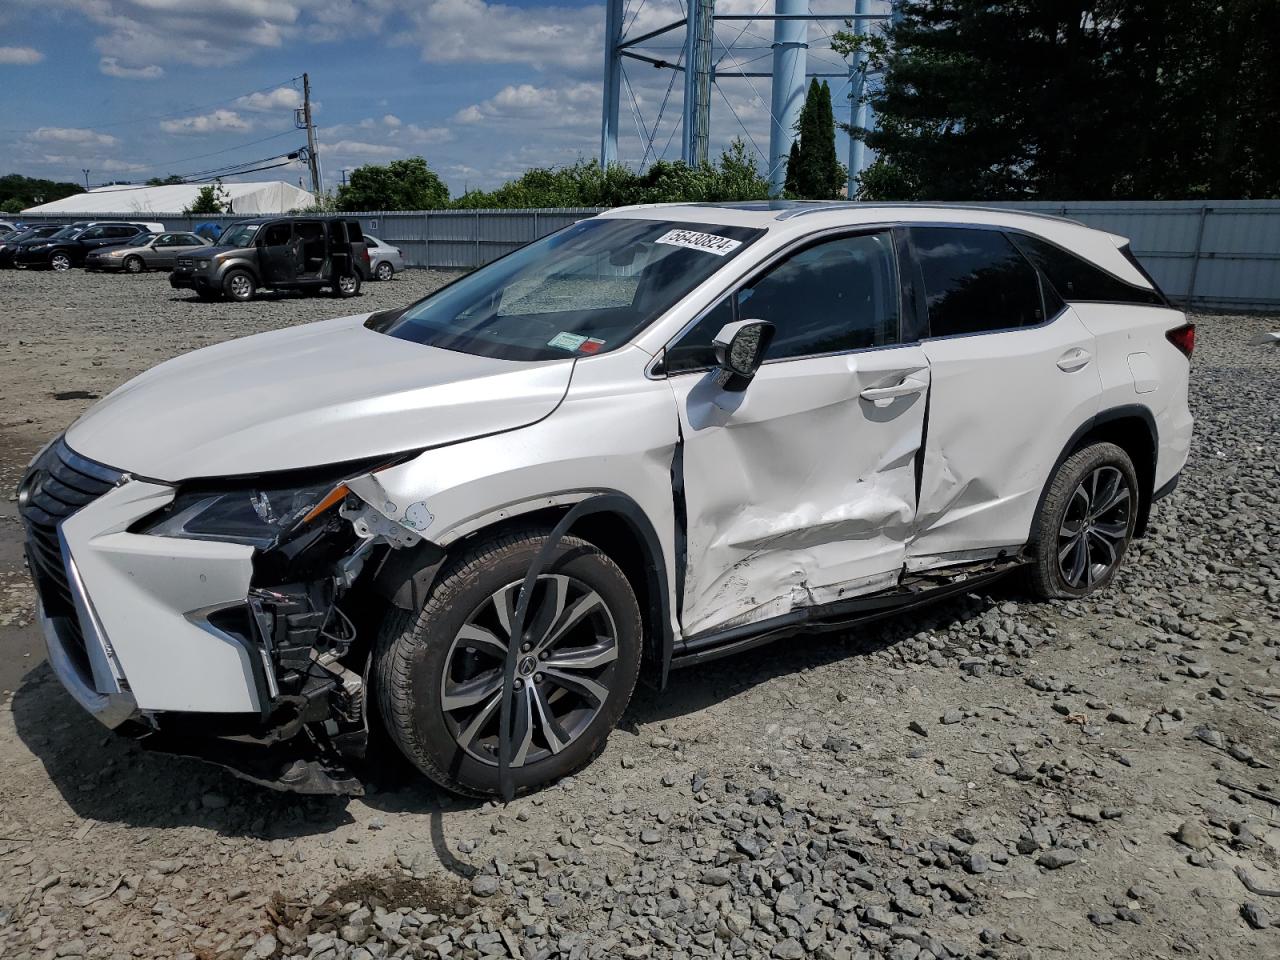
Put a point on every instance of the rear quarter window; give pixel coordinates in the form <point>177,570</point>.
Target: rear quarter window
<point>1077,279</point>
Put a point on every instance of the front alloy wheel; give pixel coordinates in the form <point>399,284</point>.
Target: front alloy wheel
<point>1085,523</point>
<point>438,673</point>
<point>60,262</point>
<point>133,264</point>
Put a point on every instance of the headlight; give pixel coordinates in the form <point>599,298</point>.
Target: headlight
<point>257,518</point>
<point>116,253</point>
<point>40,246</point>
<point>203,264</point>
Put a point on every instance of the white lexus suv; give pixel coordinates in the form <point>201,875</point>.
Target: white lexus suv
<point>661,435</point>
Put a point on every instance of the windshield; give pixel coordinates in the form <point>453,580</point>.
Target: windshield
<point>587,289</point>
<point>238,235</point>
<point>141,240</point>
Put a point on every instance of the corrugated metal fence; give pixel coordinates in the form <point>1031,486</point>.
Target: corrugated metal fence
<point>1219,254</point>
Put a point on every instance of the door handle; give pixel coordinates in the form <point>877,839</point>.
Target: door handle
<point>908,386</point>
<point>1077,358</point>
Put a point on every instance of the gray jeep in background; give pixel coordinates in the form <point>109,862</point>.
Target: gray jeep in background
<point>277,253</point>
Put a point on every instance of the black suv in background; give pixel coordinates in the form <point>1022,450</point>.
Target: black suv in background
<point>68,247</point>
<point>277,254</point>
<point>9,245</point>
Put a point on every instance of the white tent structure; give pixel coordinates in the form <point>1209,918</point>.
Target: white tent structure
<point>272,196</point>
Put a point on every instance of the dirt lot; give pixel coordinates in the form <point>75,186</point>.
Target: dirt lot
<point>994,778</point>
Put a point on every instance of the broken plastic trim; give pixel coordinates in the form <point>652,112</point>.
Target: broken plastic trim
<point>839,615</point>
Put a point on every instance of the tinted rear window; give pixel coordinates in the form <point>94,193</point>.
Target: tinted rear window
<point>1077,279</point>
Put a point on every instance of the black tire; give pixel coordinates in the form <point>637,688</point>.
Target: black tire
<point>413,653</point>
<point>61,262</point>
<point>384,271</point>
<point>239,285</point>
<point>1079,544</point>
<point>346,285</point>
<point>133,264</point>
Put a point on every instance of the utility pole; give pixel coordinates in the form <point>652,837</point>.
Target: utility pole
<point>86,177</point>
<point>313,161</point>
<point>344,176</point>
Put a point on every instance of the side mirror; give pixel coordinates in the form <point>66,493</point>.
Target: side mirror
<point>740,348</point>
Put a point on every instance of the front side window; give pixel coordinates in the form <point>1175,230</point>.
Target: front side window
<point>975,281</point>
<point>832,297</point>
<point>586,289</point>
<point>276,234</point>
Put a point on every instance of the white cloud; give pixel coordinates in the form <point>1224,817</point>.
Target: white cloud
<point>97,165</point>
<point>360,149</point>
<point>112,67</point>
<point>20,56</point>
<point>76,135</point>
<point>455,31</point>
<point>571,105</point>
<point>391,120</point>
<point>281,98</point>
<point>218,121</point>
<point>420,134</point>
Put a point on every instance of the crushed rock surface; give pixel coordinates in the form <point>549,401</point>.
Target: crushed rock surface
<point>993,777</point>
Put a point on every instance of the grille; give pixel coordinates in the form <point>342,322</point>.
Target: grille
<point>185,263</point>
<point>58,485</point>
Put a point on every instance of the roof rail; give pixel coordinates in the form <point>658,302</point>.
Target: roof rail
<point>825,207</point>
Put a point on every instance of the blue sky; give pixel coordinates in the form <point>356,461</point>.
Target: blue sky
<point>137,88</point>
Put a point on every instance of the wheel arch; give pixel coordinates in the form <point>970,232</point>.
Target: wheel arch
<point>617,525</point>
<point>1131,427</point>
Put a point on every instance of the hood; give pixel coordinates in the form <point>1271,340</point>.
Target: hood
<point>307,396</point>
<point>212,251</point>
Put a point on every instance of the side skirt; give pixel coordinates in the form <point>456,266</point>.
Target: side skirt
<point>915,591</point>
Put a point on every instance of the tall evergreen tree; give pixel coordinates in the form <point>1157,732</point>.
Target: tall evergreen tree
<point>813,171</point>
<point>1075,100</point>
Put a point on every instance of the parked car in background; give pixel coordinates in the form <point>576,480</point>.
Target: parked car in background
<point>9,245</point>
<point>146,251</point>
<point>656,437</point>
<point>9,226</point>
<point>68,248</point>
<point>277,253</point>
<point>384,259</point>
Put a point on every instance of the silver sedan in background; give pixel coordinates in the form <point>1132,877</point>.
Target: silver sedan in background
<point>146,251</point>
<point>384,260</point>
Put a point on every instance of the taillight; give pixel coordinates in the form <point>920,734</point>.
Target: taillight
<point>1184,338</point>
<point>365,253</point>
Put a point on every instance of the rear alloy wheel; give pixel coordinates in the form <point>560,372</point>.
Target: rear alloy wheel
<point>347,285</point>
<point>239,286</point>
<point>439,673</point>
<point>133,264</point>
<point>60,262</point>
<point>385,271</point>
<point>1086,523</point>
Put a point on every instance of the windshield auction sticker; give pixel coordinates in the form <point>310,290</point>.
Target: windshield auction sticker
<point>567,341</point>
<point>706,242</point>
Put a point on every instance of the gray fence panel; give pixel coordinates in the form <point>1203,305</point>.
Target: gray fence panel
<point>1221,254</point>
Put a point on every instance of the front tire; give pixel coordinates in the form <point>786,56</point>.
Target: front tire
<point>239,286</point>
<point>60,262</point>
<point>346,285</point>
<point>438,672</point>
<point>1085,524</point>
<point>133,264</point>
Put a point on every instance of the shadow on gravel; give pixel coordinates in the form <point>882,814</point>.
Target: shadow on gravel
<point>108,778</point>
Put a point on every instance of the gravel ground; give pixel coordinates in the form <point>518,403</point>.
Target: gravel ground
<point>993,778</point>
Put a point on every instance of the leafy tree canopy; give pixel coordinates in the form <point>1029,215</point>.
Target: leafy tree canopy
<point>1075,100</point>
<point>18,192</point>
<point>400,185</point>
<point>210,199</point>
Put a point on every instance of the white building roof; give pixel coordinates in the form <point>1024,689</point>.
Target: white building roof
<point>272,196</point>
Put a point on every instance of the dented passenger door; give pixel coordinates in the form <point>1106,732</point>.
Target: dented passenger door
<point>800,490</point>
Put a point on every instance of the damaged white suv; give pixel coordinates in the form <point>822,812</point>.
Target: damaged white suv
<point>658,436</point>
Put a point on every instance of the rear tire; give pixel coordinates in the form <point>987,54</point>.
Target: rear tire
<point>437,672</point>
<point>238,285</point>
<point>384,271</point>
<point>60,262</point>
<point>1085,523</point>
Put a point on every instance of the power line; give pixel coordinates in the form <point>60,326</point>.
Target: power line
<point>171,163</point>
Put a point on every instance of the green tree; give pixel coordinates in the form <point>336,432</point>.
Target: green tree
<point>1075,99</point>
<point>407,184</point>
<point>30,192</point>
<point>813,170</point>
<point>210,199</point>
<point>170,180</point>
